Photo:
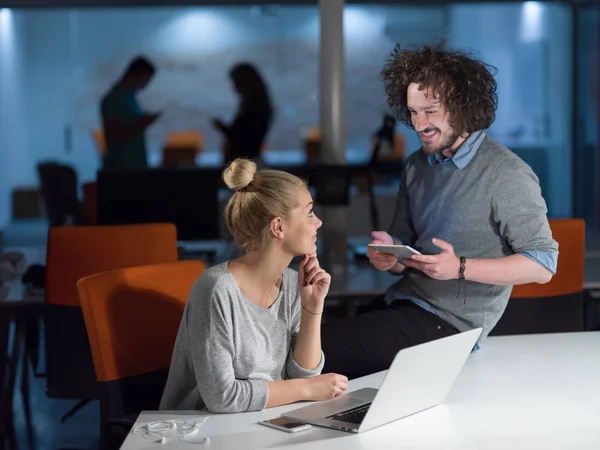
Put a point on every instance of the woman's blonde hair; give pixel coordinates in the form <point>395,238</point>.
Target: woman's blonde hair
<point>258,198</point>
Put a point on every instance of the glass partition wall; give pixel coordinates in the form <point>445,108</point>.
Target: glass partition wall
<point>52,86</point>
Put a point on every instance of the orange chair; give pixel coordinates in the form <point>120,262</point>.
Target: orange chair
<point>90,203</point>
<point>397,152</point>
<point>100,141</point>
<point>132,317</point>
<point>182,147</point>
<point>75,252</point>
<point>557,306</point>
<point>312,144</point>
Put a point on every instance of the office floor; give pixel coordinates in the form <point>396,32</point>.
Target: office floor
<point>81,430</point>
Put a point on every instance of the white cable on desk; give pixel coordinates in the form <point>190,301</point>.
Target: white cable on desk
<point>185,430</point>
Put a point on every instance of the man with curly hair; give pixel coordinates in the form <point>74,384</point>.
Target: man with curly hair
<point>471,207</point>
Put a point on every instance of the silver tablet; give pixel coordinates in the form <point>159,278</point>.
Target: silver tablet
<point>401,251</point>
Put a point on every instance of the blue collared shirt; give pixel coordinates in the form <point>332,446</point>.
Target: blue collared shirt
<point>465,153</point>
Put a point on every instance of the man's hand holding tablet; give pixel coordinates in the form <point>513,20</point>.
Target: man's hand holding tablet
<point>388,257</point>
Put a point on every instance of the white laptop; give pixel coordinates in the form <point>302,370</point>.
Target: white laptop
<point>419,378</point>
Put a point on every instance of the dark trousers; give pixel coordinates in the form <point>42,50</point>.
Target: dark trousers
<point>368,342</point>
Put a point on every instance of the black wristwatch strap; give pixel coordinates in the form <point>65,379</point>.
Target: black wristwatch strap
<point>461,271</point>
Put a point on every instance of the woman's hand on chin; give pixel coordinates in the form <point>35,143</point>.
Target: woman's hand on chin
<point>313,284</point>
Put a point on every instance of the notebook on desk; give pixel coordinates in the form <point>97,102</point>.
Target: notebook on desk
<point>419,378</point>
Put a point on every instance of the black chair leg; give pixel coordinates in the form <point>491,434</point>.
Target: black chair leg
<point>7,427</point>
<point>25,398</point>
<point>74,410</point>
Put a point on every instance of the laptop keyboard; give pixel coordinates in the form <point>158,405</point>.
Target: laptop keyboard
<point>354,415</point>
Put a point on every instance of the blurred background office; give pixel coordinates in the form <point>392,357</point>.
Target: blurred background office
<point>545,53</point>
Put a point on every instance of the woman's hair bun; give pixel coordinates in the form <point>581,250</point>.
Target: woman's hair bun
<point>239,174</point>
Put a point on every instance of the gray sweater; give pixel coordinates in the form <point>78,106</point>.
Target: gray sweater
<point>491,208</point>
<point>228,348</point>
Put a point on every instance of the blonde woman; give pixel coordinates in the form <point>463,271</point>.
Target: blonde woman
<point>250,337</point>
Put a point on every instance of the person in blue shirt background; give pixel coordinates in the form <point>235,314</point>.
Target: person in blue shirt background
<point>124,121</point>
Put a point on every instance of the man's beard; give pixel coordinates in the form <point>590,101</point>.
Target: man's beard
<point>434,148</point>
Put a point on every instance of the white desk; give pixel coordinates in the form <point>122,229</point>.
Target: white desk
<point>517,392</point>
